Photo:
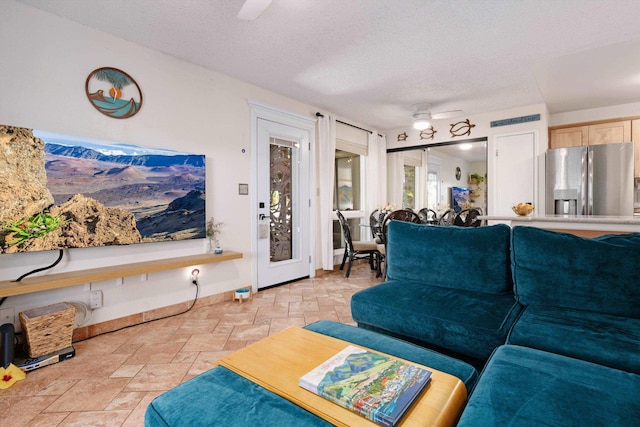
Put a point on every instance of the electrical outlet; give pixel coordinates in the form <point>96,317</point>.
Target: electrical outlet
<point>95,299</point>
<point>7,315</point>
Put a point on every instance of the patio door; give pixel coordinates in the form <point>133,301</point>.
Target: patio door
<point>283,203</point>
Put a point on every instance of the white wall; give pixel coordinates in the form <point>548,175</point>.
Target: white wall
<point>45,62</point>
<point>592,114</point>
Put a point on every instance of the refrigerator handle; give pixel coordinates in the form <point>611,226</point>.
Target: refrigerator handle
<point>589,179</point>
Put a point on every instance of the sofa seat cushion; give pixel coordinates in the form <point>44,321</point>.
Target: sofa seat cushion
<point>473,259</point>
<point>395,347</point>
<point>220,397</point>
<point>562,270</point>
<point>470,323</point>
<point>527,387</point>
<point>601,338</point>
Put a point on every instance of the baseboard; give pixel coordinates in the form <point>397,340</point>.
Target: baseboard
<point>90,331</point>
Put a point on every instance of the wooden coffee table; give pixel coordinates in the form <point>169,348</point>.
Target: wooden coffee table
<point>277,363</point>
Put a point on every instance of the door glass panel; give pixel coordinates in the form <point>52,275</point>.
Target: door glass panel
<point>281,211</point>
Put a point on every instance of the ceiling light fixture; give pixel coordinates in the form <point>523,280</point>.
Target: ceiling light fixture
<point>251,9</point>
<point>465,146</point>
<point>421,121</point>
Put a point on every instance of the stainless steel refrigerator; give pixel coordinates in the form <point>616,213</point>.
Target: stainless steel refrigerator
<point>590,180</point>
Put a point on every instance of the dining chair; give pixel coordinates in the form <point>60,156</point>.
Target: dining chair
<point>355,249</point>
<point>406,215</point>
<point>428,216</point>
<point>375,222</point>
<point>468,218</point>
<point>447,217</point>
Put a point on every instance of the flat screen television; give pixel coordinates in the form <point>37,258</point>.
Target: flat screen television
<point>60,191</point>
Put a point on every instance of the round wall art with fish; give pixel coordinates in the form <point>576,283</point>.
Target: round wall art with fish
<point>113,92</point>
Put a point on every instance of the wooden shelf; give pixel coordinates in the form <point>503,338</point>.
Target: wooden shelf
<point>72,278</point>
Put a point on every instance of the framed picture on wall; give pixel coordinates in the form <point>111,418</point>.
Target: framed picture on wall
<point>459,198</point>
<point>113,92</point>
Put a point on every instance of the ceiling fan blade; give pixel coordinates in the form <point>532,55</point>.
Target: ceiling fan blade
<point>446,114</point>
<point>251,9</point>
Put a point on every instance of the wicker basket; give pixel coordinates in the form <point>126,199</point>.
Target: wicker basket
<point>48,329</point>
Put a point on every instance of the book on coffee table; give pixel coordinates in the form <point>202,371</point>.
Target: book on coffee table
<point>375,386</point>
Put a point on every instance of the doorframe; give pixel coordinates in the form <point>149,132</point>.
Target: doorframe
<point>278,115</point>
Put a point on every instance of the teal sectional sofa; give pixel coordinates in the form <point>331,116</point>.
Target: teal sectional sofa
<point>447,288</point>
<point>556,317</point>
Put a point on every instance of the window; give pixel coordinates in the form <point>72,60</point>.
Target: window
<point>348,188</point>
<point>409,187</point>
<point>346,194</point>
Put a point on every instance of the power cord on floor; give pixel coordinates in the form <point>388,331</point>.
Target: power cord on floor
<point>194,281</point>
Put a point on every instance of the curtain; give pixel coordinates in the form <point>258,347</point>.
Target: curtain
<point>376,176</point>
<point>326,156</point>
<point>382,170</point>
<point>395,175</point>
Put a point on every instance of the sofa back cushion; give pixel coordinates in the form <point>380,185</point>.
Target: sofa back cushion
<point>563,270</point>
<point>475,259</point>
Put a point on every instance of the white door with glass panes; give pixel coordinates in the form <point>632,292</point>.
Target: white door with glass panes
<point>284,203</point>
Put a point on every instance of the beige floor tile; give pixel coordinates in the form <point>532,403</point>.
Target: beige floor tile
<point>158,377</point>
<point>127,400</point>
<point>48,420</point>
<point>22,409</point>
<point>58,387</point>
<point>127,371</point>
<point>279,324</point>
<point>95,419</point>
<point>136,418</point>
<point>237,319</point>
<point>89,395</point>
<point>155,353</point>
<point>206,342</point>
<point>206,360</point>
<point>114,377</point>
<point>249,332</point>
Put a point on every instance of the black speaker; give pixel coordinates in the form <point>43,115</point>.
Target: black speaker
<point>6,344</point>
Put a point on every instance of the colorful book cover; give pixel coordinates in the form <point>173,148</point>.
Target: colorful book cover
<point>377,387</point>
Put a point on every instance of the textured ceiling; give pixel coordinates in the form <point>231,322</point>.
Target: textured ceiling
<point>370,61</point>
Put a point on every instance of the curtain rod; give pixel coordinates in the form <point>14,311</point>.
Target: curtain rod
<point>349,124</point>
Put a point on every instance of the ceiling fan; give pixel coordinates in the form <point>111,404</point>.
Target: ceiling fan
<point>422,115</point>
<point>251,9</point>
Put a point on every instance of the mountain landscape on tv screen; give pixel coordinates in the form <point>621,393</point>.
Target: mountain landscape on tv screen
<point>59,191</point>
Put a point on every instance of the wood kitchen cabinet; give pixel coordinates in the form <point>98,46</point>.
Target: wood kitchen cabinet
<point>610,133</point>
<point>595,133</point>
<point>573,136</point>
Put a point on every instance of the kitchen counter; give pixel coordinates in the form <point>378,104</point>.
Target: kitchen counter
<point>587,226</point>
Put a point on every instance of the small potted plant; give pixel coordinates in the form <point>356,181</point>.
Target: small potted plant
<point>476,178</point>
<point>213,230</point>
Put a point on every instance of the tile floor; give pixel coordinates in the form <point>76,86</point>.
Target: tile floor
<point>113,377</point>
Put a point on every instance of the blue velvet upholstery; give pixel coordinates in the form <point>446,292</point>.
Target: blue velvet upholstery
<point>562,270</point>
<point>572,355</point>
<point>398,348</point>
<point>527,387</point>
<point>612,341</point>
<point>472,259</point>
<point>220,397</point>
<point>471,323</point>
